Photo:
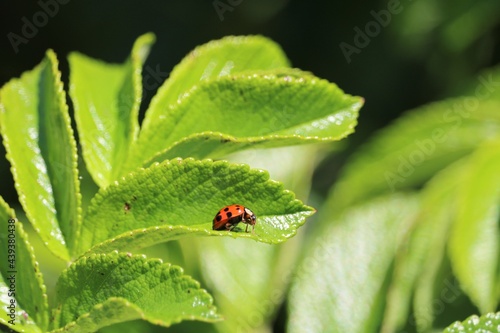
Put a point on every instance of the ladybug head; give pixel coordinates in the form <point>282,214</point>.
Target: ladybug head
<point>250,217</point>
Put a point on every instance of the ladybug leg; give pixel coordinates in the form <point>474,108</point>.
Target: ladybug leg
<point>253,228</point>
<point>229,226</point>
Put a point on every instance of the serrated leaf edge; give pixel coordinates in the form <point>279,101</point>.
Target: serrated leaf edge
<point>102,193</point>
<point>98,307</point>
<point>194,231</point>
<point>306,78</point>
<point>137,57</point>
<point>51,55</point>
<point>255,140</point>
<point>200,49</point>
<point>474,320</point>
<point>83,259</point>
<point>39,277</point>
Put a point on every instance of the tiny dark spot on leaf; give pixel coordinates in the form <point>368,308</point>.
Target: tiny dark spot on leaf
<point>102,273</point>
<point>189,291</point>
<point>225,140</point>
<point>126,207</point>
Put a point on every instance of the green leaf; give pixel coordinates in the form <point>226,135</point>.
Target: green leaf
<point>341,283</point>
<point>416,267</point>
<point>227,56</point>
<point>264,109</point>
<point>181,197</point>
<point>138,325</point>
<point>20,321</point>
<point>474,247</point>
<point>416,146</point>
<point>488,323</point>
<point>20,279</point>
<point>111,311</point>
<point>244,266</point>
<point>106,98</point>
<point>118,287</point>
<point>37,135</point>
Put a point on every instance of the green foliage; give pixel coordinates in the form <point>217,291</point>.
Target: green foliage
<point>474,245</point>
<point>416,146</point>
<point>409,230</point>
<point>180,197</point>
<point>426,247</point>
<point>488,323</point>
<point>225,96</point>
<point>20,277</point>
<point>264,109</point>
<point>447,155</point>
<point>37,135</point>
<point>247,264</point>
<point>106,99</point>
<point>159,293</point>
<point>206,63</point>
<point>344,270</point>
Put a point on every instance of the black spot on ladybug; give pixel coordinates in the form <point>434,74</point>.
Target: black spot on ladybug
<point>218,217</point>
<point>226,209</point>
<point>229,214</point>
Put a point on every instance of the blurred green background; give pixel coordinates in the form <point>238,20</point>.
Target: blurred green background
<point>428,49</point>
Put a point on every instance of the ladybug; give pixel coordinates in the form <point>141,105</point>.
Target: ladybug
<point>228,217</point>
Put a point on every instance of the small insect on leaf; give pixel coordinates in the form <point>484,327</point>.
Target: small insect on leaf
<point>228,218</point>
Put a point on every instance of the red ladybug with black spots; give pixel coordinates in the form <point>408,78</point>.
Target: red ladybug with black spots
<point>228,217</point>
